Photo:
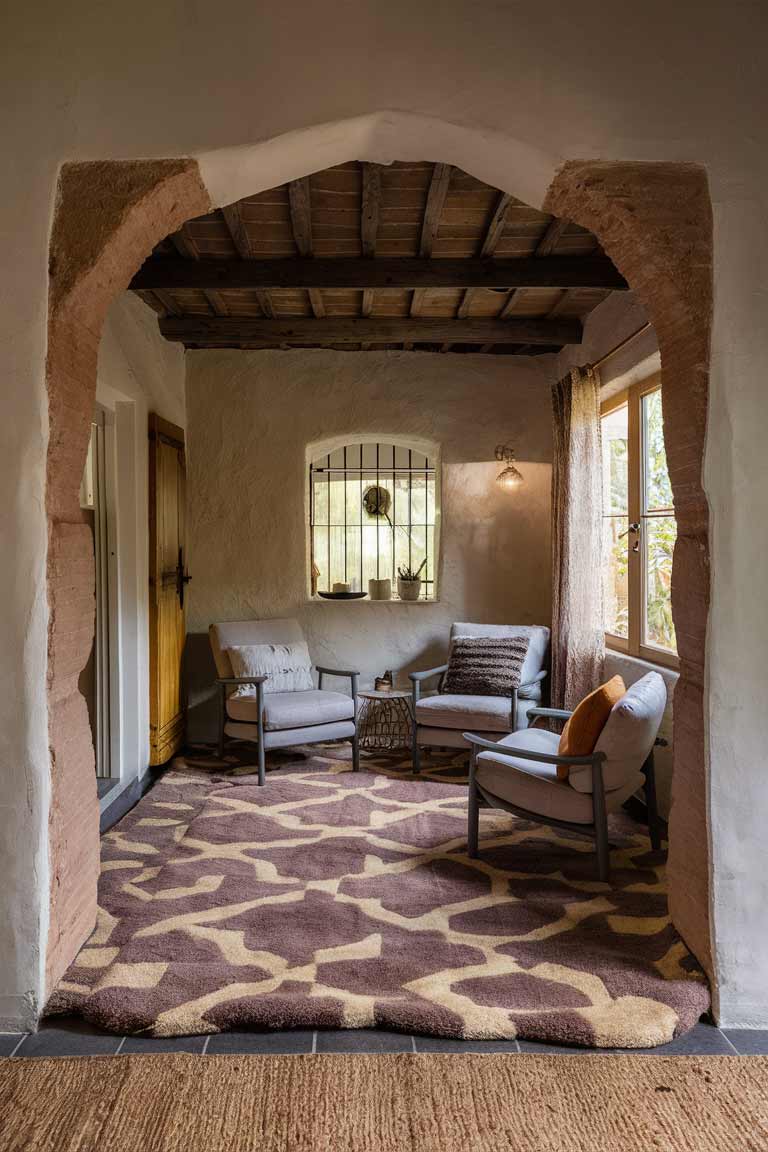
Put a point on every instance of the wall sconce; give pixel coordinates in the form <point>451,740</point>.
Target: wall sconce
<point>509,477</point>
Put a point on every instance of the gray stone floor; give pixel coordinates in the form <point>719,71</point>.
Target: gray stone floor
<point>63,1036</point>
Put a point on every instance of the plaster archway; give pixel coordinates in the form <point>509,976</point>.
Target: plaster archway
<point>655,222</point>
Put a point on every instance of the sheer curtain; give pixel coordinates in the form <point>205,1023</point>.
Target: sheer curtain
<point>578,638</point>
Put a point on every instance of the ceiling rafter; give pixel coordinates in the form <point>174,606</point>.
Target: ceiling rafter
<point>370,210</point>
<point>545,247</point>
<point>438,190</point>
<point>300,200</point>
<point>233,218</point>
<point>185,246</point>
<point>493,235</point>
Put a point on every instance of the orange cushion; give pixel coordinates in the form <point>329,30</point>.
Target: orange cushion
<point>582,731</point>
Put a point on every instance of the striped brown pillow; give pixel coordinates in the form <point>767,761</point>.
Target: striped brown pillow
<point>485,665</point>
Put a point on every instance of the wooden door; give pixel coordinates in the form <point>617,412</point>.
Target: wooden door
<point>167,581</point>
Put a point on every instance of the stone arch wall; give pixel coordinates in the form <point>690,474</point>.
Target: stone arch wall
<point>653,220</point>
<point>108,217</point>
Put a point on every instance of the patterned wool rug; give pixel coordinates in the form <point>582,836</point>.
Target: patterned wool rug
<point>335,899</point>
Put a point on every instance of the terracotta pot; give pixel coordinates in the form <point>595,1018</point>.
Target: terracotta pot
<point>408,589</point>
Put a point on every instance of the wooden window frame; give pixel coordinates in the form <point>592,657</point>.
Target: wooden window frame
<point>633,645</point>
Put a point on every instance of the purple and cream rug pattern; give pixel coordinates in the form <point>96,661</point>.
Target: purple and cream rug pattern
<point>338,899</point>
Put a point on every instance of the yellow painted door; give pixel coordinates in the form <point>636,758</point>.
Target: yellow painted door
<point>167,581</point>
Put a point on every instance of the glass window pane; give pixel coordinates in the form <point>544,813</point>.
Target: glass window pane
<point>658,490</point>
<point>660,536</point>
<point>320,557</point>
<point>615,575</point>
<point>337,573</point>
<point>615,436</point>
<point>337,500</point>
<point>402,489</point>
<point>320,500</point>
<point>353,500</point>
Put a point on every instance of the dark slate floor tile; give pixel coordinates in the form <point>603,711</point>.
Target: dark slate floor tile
<point>748,1041</point>
<point>534,1048</point>
<point>289,1043</point>
<point>440,1044</point>
<point>363,1040</point>
<point>9,1042</point>
<point>150,1045</point>
<point>69,1036</point>
<point>702,1040</point>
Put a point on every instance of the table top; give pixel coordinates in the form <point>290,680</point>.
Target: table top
<point>392,694</point>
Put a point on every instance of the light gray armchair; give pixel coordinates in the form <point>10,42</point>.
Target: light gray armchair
<point>279,719</point>
<point>519,773</point>
<point>441,719</point>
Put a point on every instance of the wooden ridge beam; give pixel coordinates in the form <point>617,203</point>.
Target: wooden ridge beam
<point>562,272</point>
<point>341,330</point>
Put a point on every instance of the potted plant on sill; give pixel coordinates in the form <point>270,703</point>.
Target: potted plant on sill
<point>409,582</point>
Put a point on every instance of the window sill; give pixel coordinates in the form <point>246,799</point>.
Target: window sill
<point>367,600</point>
<point>659,662</point>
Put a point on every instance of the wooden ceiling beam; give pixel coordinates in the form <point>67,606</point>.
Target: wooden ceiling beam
<point>185,246</point>
<point>370,210</point>
<point>546,245</point>
<point>341,330</point>
<point>300,201</point>
<point>233,218</point>
<point>438,190</point>
<point>493,234</point>
<point>382,272</point>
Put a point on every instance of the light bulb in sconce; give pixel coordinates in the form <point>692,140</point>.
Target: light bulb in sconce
<point>509,477</point>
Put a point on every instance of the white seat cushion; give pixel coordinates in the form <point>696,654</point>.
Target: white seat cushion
<point>628,735</point>
<point>536,787</point>
<point>472,713</point>
<point>284,710</point>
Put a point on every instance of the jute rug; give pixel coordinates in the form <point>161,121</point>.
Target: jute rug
<point>425,1103</point>
<point>339,899</point>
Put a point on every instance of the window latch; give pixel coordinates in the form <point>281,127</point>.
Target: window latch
<point>634,527</point>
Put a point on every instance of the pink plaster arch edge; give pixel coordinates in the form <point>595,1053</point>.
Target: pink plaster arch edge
<point>108,217</point>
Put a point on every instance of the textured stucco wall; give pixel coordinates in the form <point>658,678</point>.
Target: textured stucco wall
<point>250,417</point>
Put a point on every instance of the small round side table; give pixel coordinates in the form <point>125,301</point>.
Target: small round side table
<point>384,720</point>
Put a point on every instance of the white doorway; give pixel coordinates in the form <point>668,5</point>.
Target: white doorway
<point>99,681</point>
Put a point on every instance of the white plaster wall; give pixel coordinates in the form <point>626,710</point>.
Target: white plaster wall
<point>507,93</point>
<point>250,418</point>
<point>138,373</point>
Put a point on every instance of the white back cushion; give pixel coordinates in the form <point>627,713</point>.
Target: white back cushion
<point>287,665</point>
<point>538,642</point>
<point>224,636</point>
<point>628,735</point>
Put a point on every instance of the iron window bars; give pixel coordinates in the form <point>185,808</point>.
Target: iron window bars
<point>347,543</point>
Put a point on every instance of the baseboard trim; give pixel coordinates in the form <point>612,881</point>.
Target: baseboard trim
<point>746,1016</point>
<point>127,799</point>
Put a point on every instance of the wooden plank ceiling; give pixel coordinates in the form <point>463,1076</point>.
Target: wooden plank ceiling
<point>418,256</point>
